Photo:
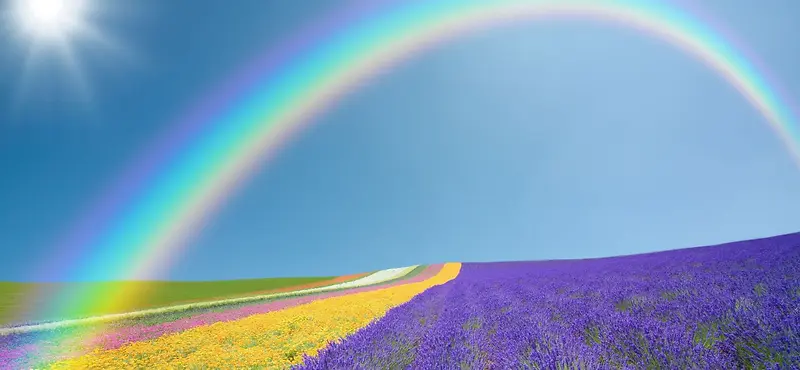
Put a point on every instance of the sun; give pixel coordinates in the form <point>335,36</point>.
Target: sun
<point>50,20</point>
<point>57,31</point>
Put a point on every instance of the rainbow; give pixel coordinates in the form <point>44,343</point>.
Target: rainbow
<point>148,217</point>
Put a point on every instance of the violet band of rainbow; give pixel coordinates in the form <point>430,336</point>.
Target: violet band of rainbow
<point>250,125</point>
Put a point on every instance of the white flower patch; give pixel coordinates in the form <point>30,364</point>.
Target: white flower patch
<point>371,279</point>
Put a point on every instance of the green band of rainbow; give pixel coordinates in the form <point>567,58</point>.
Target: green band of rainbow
<point>149,233</point>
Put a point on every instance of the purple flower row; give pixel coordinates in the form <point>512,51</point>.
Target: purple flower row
<point>729,306</point>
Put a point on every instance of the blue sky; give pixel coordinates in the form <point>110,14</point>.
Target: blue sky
<point>550,139</point>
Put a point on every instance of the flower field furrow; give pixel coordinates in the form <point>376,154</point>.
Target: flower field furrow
<point>371,279</point>
<point>730,306</point>
<point>66,346</point>
<point>392,341</point>
<point>272,340</point>
<point>123,336</point>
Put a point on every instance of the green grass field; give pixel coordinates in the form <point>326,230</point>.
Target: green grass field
<point>15,297</point>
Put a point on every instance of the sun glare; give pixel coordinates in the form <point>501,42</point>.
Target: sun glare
<point>50,19</point>
<point>58,30</point>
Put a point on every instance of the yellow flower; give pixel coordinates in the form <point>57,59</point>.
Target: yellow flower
<point>274,340</point>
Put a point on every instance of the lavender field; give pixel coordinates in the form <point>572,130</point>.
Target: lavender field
<point>728,306</point>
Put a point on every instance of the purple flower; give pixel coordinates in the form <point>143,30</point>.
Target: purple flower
<point>734,305</point>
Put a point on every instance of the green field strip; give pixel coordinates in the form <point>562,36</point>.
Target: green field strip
<point>172,316</point>
<point>171,313</point>
<point>14,296</point>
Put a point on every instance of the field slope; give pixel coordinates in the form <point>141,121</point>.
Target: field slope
<point>14,296</point>
<point>730,306</point>
<point>727,306</point>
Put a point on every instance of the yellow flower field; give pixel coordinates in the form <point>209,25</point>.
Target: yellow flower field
<point>271,340</point>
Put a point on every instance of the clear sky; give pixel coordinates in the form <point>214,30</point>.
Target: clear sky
<point>540,140</point>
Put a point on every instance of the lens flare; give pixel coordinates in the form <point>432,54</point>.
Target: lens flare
<point>50,19</point>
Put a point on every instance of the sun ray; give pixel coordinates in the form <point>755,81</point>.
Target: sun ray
<point>88,33</point>
<point>75,71</point>
<point>58,29</point>
<point>31,59</point>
